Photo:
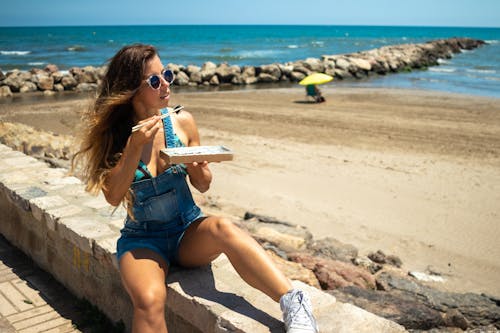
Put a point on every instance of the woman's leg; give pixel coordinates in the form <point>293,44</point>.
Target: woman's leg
<point>206,239</point>
<point>143,274</point>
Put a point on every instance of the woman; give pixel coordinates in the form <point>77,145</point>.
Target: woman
<point>164,226</point>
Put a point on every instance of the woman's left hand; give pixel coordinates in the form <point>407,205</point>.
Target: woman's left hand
<point>199,175</point>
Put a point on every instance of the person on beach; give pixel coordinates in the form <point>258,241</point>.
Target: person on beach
<point>164,226</point>
<point>313,91</point>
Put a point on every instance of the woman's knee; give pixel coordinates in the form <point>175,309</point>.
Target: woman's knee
<point>150,298</point>
<point>224,229</point>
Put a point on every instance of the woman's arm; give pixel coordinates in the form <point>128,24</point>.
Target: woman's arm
<point>120,177</point>
<point>199,173</point>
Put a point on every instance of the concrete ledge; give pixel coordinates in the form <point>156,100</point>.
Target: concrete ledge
<point>72,235</point>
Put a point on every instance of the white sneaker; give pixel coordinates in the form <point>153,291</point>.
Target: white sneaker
<point>297,312</point>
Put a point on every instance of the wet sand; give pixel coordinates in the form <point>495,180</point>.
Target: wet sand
<point>413,173</point>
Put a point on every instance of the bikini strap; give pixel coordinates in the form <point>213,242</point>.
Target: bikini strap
<point>169,129</point>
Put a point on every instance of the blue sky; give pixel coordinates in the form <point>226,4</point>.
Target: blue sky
<point>467,13</point>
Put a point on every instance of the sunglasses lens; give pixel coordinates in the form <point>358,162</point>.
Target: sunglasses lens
<point>168,75</point>
<point>155,81</point>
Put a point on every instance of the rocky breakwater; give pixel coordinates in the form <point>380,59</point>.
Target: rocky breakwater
<point>381,61</point>
<point>376,282</point>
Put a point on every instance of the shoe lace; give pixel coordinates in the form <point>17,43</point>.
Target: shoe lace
<point>298,318</point>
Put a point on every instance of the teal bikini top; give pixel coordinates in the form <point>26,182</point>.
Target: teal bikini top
<point>171,140</point>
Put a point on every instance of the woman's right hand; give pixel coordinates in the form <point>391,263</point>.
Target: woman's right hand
<point>146,133</point>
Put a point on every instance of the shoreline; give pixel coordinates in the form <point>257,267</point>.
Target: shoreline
<point>413,173</point>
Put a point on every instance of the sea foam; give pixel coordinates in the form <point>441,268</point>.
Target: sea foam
<point>15,52</point>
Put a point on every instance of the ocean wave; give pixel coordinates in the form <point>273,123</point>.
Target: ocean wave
<point>481,70</point>
<point>442,61</point>
<point>443,69</point>
<point>493,41</point>
<point>257,54</point>
<point>36,63</point>
<point>318,43</point>
<point>76,48</point>
<point>15,52</point>
<point>293,46</point>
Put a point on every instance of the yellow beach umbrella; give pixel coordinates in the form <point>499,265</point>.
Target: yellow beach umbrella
<point>316,78</point>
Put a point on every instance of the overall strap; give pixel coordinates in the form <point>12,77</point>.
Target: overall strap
<point>168,128</point>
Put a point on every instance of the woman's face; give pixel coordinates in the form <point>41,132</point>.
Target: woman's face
<point>147,101</point>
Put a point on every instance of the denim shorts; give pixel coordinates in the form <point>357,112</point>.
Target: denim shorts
<point>163,210</point>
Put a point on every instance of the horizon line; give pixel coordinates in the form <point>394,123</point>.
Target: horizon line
<point>246,24</point>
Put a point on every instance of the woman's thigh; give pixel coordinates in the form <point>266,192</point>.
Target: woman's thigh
<point>202,241</point>
<point>143,274</point>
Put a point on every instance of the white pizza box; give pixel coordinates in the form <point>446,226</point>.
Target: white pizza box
<point>192,154</point>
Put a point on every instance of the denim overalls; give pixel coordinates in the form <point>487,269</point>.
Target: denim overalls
<point>163,209</point>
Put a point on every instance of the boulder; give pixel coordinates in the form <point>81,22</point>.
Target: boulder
<point>314,65</point>
<point>401,309</point>
<point>69,82</point>
<point>51,68</point>
<point>43,81</point>
<point>478,310</point>
<point>297,76</point>
<point>272,70</point>
<point>333,274</point>
<point>295,271</point>
<point>196,77</point>
<point>5,91</point>
<point>181,79</point>
<point>28,86</point>
<point>331,248</point>
<point>361,64</point>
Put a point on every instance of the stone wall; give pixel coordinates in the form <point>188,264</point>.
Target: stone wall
<point>382,61</point>
<point>72,235</point>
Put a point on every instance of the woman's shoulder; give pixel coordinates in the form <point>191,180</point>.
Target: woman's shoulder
<point>185,119</point>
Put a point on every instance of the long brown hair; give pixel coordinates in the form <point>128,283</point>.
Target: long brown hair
<point>108,122</point>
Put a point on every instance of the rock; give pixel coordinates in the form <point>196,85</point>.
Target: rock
<point>380,258</point>
<point>181,79</point>
<point>399,308</point>
<point>2,75</point>
<point>342,63</point>
<point>14,81</point>
<point>267,78</point>
<point>314,65</point>
<point>297,76</point>
<point>208,66</point>
<point>69,82</point>
<point>196,77</point>
<point>5,91</point>
<point>331,248</point>
<point>361,64</point>
<point>174,68</point>
<point>479,310</point>
<point>51,68</point>
<point>86,87</point>
<point>37,143</point>
<point>299,67</point>
<point>190,69</point>
<point>214,81</point>
<point>272,70</point>
<point>367,264</point>
<point>28,86</point>
<point>226,73</point>
<point>43,81</point>
<point>333,274</point>
<point>295,271</point>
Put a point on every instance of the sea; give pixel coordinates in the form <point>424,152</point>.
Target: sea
<point>475,72</point>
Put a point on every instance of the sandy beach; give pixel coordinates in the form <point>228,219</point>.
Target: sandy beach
<point>412,173</point>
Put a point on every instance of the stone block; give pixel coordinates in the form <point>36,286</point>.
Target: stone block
<point>53,215</point>
<point>40,204</point>
<point>82,230</point>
